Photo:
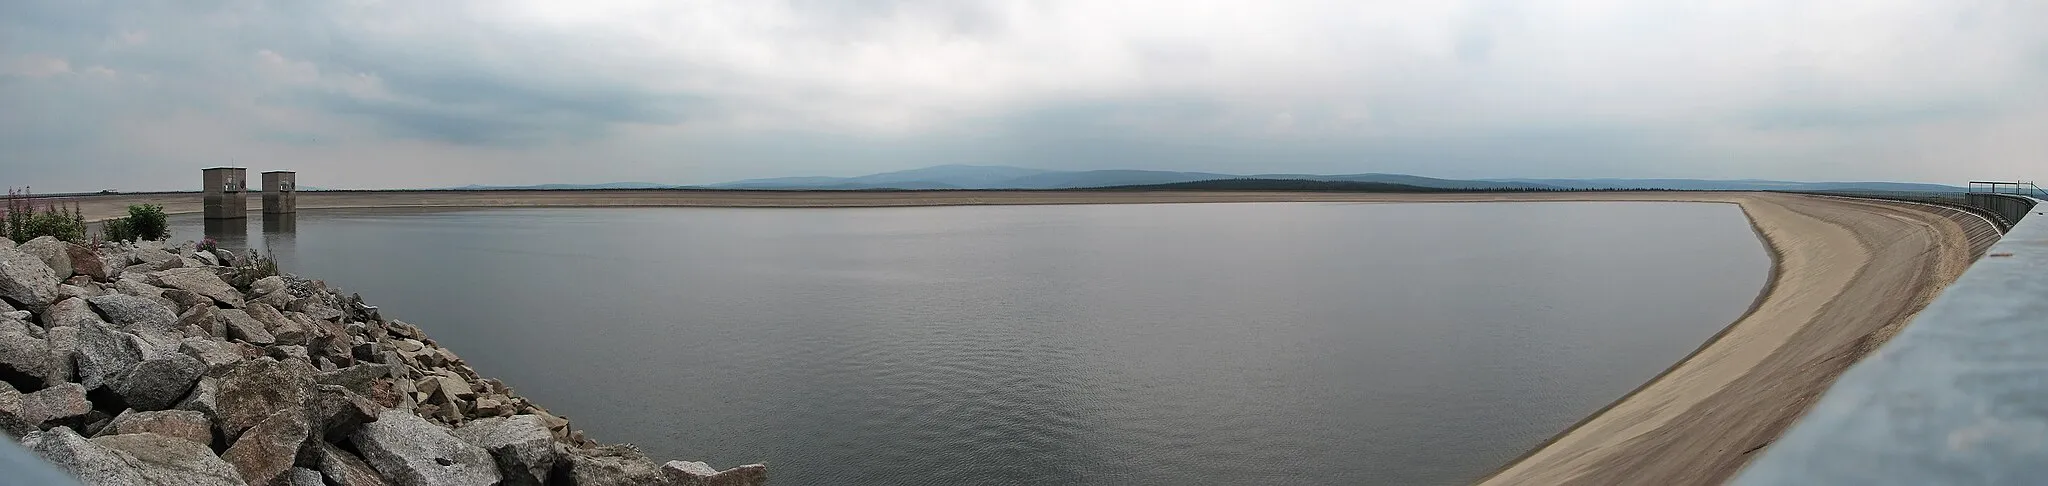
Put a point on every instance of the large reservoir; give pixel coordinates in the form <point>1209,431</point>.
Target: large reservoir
<point>1310,343</point>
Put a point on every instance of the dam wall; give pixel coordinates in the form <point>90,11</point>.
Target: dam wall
<point>1957,397</point>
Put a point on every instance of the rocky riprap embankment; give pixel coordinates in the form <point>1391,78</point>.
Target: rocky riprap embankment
<point>134,364</point>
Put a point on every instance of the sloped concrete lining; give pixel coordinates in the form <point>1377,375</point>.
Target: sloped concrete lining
<point>1958,397</point>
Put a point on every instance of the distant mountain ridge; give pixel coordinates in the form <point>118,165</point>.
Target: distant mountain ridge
<point>957,176</point>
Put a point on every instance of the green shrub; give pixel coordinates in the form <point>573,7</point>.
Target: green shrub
<point>149,222</point>
<point>22,222</point>
<point>117,229</point>
<point>53,223</point>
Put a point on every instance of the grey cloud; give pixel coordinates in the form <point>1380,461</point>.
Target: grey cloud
<point>704,91</point>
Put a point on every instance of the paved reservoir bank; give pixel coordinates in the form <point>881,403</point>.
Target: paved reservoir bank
<point>1847,274</point>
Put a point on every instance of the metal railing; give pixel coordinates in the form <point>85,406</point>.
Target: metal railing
<point>2017,188</point>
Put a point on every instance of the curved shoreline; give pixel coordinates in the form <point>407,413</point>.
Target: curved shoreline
<point>1846,273</point>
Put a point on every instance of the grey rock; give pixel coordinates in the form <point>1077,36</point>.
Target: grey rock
<point>27,280</point>
<point>69,312</point>
<point>345,469</point>
<point>201,281</point>
<point>356,378</point>
<point>409,450</point>
<point>183,300</point>
<point>153,261</point>
<point>91,463</point>
<point>53,254</point>
<point>179,424</point>
<point>612,465</point>
<point>23,353</point>
<point>284,329</point>
<point>284,352</point>
<point>684,473</point>
<point>158,384</point>
<point>7,243</point>
<point>521,445</point>
<point>216,355</point>
<point>169,460</point>
<point>85,261</point>
<point>337,412</point>
<point>306,477</point>
<point>401,329</point>
<point>206,258</point>
<point>318,310</point>
<point>204,318</point>
<point>264,453</point>
<point>11,420</point>
<point>67,290</point>
<point>104,353</point>
<point>205,398</point>
<point>226,258</point>
<point>240,325</point>
<point>267,285</point>
<point>134,314</point>
<point>63,343</point>
<point>252,390</point>
<point>135,286</point>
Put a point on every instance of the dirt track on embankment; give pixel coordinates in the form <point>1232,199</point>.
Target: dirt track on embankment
<point>1848,273</point>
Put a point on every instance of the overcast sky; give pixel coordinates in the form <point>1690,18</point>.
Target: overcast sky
<point>366,93</point>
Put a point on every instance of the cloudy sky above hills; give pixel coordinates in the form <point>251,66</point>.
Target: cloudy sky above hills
<point>367,93</point>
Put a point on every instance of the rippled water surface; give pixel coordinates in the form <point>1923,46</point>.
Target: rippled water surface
<point>1135,344</point>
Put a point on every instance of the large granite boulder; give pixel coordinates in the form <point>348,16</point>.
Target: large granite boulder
<point>685,473</point>
<point>286,331</point>
<point>178,424</point>
<point>264,453</point>
<point>203,319</point>
<point>345,469</point>
<point>11,421</point>
<point>63,342</point>
<point>253,390</point>
<point>25,360</point>
<point>205,397</point>
<point>521,445</point>
<point>409,450</point>
<point>358,378</point>
<point>52,252</point>
<point>618,464</point>
<point>153,260</point>
<point>200,281</point>
<point>158,384</point>
<point>184,300</point>
<point>136,314</point>
<point>85,261</point>
<point>337,412</point>
<point>241,326</point>
<point>306,477</point>
<point>104,353</point>
<point>70,312</point>
<point>134,285</point>
<point>169,460</point>
<point>26,280</point>
<point>61,403</point>
<point>267,285</point>
<point>216,355</point>
<point>91,463</point>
